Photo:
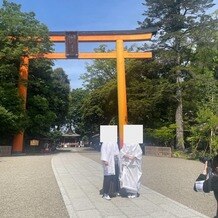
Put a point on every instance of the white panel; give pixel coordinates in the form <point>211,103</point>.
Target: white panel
<point>108,133</point>
<point>133,134</point>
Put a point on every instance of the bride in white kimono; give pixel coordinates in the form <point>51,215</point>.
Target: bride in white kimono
<point>131,159</point>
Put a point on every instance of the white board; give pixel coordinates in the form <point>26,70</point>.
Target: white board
<point>133,134</point>
<point>108,133</point>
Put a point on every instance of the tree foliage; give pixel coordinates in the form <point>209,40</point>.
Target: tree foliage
<point>48,90</point>
<point>48,98</point>
<point>204,132</point>
<point>151,98</point>
<point>175,90</point>
<point>180,25</point>
<point>75,113</point>
<point>19,35</point>
<point>100,107</point>
<point>165,135</point>
<point>173,83</point>
<point>99,72</point>
<point>59,96</point>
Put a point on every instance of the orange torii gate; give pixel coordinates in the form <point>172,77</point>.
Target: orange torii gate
<point>71,40</point>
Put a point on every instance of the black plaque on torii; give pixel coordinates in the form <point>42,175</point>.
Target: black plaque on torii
<point>71,44</point>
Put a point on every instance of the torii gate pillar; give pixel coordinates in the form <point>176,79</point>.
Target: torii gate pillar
<point>121,88</point>
<point>22,89</point>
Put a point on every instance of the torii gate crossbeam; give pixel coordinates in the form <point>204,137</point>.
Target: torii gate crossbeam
<point>71,40</point>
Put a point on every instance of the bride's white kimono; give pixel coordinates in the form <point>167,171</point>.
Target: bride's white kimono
<point>131,159</point>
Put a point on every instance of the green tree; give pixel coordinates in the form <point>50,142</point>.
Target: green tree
<point>151,98</point>
<point>9,121</point>
<point>99,72</point>
<point>150,95</point>
<point>40,115</point>
<point>180,25</point>
<point>48,98</point>
<point>100,104</point>
<point>165,134</point>
<point>20,34</point>
<point>204,132</point>
<point>75,113</point>
<point>205,66</point>
<point>100,107</point>
<point>60,96</point>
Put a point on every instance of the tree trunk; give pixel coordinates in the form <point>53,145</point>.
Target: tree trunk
<point>179,111</point>
<point>179,122</point>
<point>211,140</point>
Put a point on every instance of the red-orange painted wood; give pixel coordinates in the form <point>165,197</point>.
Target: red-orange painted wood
<point>22,88</point>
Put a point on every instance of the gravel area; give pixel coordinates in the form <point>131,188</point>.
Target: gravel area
<point>29,188</point>
<point>174,178</point>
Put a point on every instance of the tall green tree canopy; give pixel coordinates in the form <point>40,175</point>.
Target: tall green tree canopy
<point>20,34</point>
<point>180,25</point>
<point>75,113</point>
<point>48,98</point>
<point>60,95</point>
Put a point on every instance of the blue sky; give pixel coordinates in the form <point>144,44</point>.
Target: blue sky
<point>84,15</point>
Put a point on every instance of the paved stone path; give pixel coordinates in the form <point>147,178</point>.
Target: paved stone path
<point>67,184</point>
<point>172,177</point>
<point>80,180</point>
